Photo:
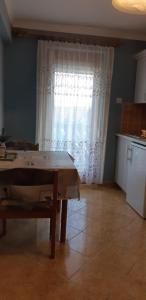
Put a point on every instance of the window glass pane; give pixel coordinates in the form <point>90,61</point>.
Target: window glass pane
<point>72,107</point>
<point>73,89</point>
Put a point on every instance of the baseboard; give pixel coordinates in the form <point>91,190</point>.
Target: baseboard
<point>100,185</point>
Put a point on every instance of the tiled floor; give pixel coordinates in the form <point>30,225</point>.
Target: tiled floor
<point>104,257</point>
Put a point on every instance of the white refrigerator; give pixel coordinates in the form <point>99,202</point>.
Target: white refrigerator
<point>136,179</point>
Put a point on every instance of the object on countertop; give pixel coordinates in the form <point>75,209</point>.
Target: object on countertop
<point>143,133</point>
<point>3,139</point>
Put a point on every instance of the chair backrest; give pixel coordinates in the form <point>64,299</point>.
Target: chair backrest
<point>22,145</point>
<point>30,177</point>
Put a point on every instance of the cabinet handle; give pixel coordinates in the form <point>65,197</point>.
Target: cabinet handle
<point>129,154</point>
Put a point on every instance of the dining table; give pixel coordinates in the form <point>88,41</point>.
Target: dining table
<point>68,178</point>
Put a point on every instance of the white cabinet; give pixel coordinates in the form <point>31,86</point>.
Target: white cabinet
<point>136,180</point>
<point>123,150</point>
<point>140,87</point>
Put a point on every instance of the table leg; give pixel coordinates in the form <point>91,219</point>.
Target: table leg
<point>63,221</point>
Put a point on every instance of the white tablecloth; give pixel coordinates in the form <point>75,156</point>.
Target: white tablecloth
<point>69,181</point>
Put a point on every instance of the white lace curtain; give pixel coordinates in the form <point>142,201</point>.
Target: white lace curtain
<point>73,92</point>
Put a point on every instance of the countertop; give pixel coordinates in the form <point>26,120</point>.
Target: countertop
<point>133,138</point>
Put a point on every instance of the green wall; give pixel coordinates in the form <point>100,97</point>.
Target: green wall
<point>20,92</point>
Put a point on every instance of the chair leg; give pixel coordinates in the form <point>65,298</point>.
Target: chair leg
<point>58,205</point>
<point>53,235</point>
<point>4,226</point>
<point>63,221</point>
<point>50,228</point>
<point>58,211</point>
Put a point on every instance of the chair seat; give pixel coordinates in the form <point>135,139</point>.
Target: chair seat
<point>6,204</point>
<point>13,209</point>
<point>26,194</point>
<point>11,213</point>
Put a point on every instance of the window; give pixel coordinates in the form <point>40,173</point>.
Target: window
<point>72,106</point>
<point>73,92</point>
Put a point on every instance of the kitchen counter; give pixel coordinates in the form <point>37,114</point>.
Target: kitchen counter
<point>133,138</point>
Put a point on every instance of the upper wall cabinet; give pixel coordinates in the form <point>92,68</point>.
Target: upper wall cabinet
<point>140,87</point>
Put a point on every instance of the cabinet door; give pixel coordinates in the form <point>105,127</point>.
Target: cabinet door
<point>136,180</point>
<point>123,145</point>
<point>140,88</point>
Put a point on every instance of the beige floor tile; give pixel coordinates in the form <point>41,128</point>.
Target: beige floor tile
<point>109,285</point>
<point>106,264</point>
<point>86,244</point>
<point>87,292</point>
<point>66,263</point>
<point>72,232</point>
<point>138,272</point>
<point>27,277</point>
<point>103,259</point>
<point>75,205</point>
<point>103,208</point>
<point>78,221</point>
<point>108,224</point>
<point>99,232</point>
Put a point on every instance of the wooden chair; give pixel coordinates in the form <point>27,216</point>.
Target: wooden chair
<point>22,145</point>
<point>14,208</point>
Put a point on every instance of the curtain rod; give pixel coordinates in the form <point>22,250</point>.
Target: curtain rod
<point>69,37</point>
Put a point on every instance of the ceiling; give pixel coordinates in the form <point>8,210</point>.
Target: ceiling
<point>81,15</point>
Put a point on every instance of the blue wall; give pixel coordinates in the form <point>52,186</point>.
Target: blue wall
<point>20,92</point>
<point>5,35</point>
<point>20,88</point>
<point>5,29</point>
<point>123,85</point>
<point>1,85</point>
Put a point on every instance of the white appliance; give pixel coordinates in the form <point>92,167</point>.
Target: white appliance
<point>136,179</point>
